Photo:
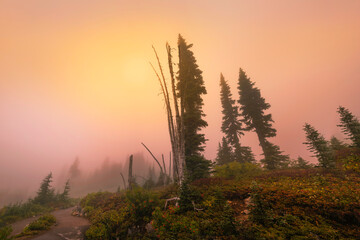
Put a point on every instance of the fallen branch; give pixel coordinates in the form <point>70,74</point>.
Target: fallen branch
<point>172,199</point>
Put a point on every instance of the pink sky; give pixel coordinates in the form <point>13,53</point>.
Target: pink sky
<point>75,78</point>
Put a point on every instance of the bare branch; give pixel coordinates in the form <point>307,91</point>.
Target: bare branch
<point>161,169</point>
<point>122,176</point>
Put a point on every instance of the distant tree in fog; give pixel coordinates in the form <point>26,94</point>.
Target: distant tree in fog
<point>65,195</point>
<point>301,163</point>
<point>74,170</point>
<point>319,146</point>
<point>252,109</point>
<point>350,125</point>
<point>224,154</point>
<point>336,144</point>
<point>46,192</point>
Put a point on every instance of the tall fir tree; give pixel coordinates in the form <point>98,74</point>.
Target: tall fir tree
<point>190,87</point>
<point>231,125</point>
<point>319,146</point>
<point>224,154</point>
<point>252,109</point>
<point>350,125</point>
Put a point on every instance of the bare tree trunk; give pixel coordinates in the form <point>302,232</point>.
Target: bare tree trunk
<point>170,166</point>
<point>130,172</point>
<point>122,176</point>
<point>162,156</point>
<point>176,129</point>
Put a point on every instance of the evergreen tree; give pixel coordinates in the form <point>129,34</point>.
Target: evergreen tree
<point>336,144</point>
<point>252,109</point>
<point>243,154</point>
<point>273,157</point>
<point>190,87</point>
<point>350,125</point>
<point>224,154</point>
<point>65,196</point>
<point>46,192</point>
<point>302,163</point>
<point>231,126</point>
<point>319,146</point>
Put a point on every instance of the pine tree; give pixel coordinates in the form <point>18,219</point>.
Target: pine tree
<point>252,110</point>
<point>190,87</point>
<point>65,196</point>
<point>243,154</point>
<point>224,154</point>
<point>46,192</point>
<point>336,144</point>
<point>273,157</point>
<point>319,146</point>
<point>302,163</point>
<point>231,126</point>
<point>350,125</point>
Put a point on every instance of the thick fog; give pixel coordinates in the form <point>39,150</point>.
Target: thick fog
<point>75,80</point>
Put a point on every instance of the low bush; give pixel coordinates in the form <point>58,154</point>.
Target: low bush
<point>42,223</point>
<point>120,214</point>
<point>17,211</point>
<point>236,170</point>
<point>5,233</point>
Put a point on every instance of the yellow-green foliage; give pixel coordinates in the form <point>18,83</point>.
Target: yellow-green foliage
<point>285,204</point>
<point>351,162</point>
<point>42,223</point>
<point>5,233</point>
<point>237,170</point>
<point>113,214</point>
<point>17,211</point>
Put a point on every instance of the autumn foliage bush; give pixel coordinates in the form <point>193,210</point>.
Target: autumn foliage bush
<point>283,204</point>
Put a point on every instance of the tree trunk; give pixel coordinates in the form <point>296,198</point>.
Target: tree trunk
<point>130,177</point>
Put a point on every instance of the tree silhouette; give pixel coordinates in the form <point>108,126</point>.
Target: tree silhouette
<point>46,192</point>
<point>231,125</point>
<point>252,109</point>
<point>350,125</point>
<point>224,154</point>
<point>190,87</point>
<point>319,146</point>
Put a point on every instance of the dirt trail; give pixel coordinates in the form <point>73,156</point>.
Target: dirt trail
<point>67,227</point>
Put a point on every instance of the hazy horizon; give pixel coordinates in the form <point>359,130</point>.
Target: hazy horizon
<point>75,79</point>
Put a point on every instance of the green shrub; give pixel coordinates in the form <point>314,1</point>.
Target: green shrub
<point>236,170</point>
<point>17,211</point>
<point>105,224</point>
<point>95,199</point>
<point>5,233</point>
<point>113,215</point>
<point>42,223</point>
<point>141,205</point>
<point>97,232</point>
<point>169,225</point>
<point>260,210</point>
<point>292,227</point>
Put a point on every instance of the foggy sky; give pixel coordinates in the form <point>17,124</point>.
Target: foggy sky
<point>75,78</point>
